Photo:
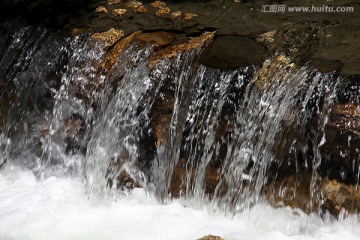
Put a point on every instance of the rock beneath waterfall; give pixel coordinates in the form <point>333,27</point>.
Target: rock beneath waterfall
<point>6,101</point>
<point>125,181</point>
<point>340,196</point>
<point>211,237</point>
<point>328,195</point>
<point>184,176</point>
<point>117,50</point>
<point>232,52</point>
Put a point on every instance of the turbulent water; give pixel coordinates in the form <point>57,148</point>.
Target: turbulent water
<point>70,128</point>
<point>58,208</point>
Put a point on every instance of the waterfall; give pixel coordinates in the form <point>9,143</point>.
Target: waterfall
<point>172,126</point>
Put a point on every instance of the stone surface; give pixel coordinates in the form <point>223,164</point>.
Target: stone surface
<point>117,50</point>
<point>172,51</point>
<point>119,12</point>
<point>109,37</point>
<point>190,16</point>
<point>331,195</point>
<point>176,15</point>
<point>160,39</point>
<point>158,4</point>
<point>133,4</point>
<point>231,52</point>
<point>162,11</point>
<point>211,237</point>
<point>101,9</point>
<point>112,2</point>
<point>141,10</point>
<point>326,66</point>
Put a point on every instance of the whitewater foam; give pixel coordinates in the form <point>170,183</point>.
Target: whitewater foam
<point>58,208</point>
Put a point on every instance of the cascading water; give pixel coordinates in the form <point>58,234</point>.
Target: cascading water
<point>174,128</point>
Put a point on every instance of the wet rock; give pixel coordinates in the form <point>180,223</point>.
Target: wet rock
<point>338,196</point>
<point>266,37</point>
<point>185,176</point>
<point>6,101</point>
<point>109,37</point>
<point>173,51</point>
<point>74,125</point>
<point>264,78</point>
<point>117,50</point>
<point>232,52</point>
<point>176,15</point>
<point>141,10</point>
<point>158,4</point>
<point>328,195</point>
<point>190,16</point>
<point>211,237</point>
<point>133,4</point>
<point>293,191</point>
<point>340,150</point>
<point>112,2</point>
<point>80,31</point>
<point>119,12</point>
<point>160,39</point>
<point>326,66</point>
<point>101,9</point>
<point>125,181</point>
<point>75,128</point>
<point>162,11</point>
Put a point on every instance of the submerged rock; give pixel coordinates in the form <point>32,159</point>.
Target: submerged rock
<point>232,52</point>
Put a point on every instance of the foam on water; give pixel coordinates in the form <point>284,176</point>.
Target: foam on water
<point>58,208</point>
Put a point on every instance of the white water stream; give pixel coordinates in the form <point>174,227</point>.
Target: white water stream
<point>58,208</point>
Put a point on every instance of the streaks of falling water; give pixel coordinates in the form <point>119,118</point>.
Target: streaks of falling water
<point>119,125</point>
<point>237,122</point>
<point>259,114</point>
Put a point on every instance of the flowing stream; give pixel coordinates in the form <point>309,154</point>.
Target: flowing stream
<point>173,151</point>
